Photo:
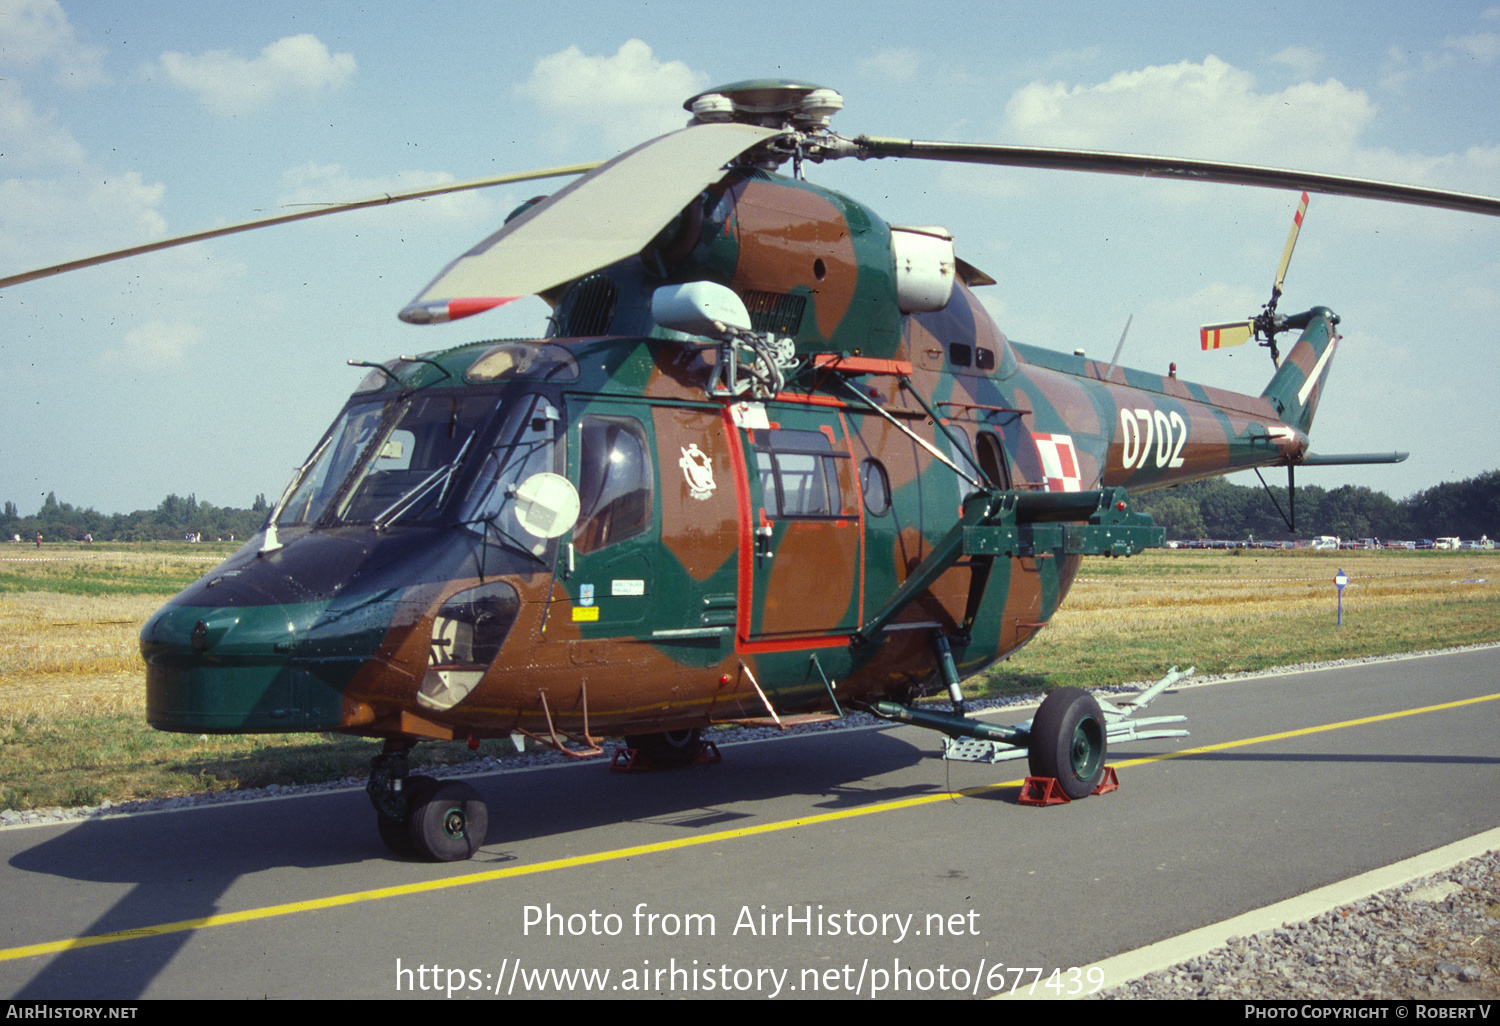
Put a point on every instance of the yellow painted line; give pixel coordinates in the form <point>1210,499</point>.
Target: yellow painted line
<point>469,879</point>
<point>1305,731</point>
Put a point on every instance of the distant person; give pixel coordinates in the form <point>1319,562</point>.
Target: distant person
<point>39,539</point>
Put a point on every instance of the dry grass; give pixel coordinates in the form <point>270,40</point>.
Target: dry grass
<point>46,634</point>
<point>1132,619</point>
<point>72,686</point>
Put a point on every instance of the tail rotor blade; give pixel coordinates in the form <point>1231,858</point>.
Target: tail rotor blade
<point>1221,336</point>
<point>1291,241</point>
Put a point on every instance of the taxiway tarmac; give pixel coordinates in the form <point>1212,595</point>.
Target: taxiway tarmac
<point>842,863</point>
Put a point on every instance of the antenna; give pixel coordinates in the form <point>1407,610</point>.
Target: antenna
<point>1113,363</point>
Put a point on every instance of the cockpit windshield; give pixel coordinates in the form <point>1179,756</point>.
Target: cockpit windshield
<point>388,460</point>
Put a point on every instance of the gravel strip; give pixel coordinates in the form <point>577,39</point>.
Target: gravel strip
<point>1437,937</point>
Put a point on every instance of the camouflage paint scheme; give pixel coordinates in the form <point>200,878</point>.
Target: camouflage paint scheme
<point>710,592</point>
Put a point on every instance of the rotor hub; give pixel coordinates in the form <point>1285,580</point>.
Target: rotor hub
<point>769,102</point>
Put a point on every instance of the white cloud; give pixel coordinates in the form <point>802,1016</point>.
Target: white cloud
<point>312,184</point>
<point>893,64</point>
<point>34,32</point>
<point>64,206</point>
<point>31,139</point>
<point>1209,110</point>
<point>157,344</point>
<point>1481,46</point>
<point>228,84</point>
<point>631,95</point>
<point>1303,60</point>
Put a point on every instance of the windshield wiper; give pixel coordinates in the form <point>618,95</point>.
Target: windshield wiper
<point>409,499</point>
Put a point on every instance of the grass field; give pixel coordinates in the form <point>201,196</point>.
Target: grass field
<point>72,697</point>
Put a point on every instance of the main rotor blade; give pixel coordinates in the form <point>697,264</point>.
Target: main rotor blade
<point>605,216</point>
<point>301,215</point>
<point>1174,167</point>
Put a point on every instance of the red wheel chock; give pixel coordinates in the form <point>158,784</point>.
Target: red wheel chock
<point>1047,791</point>
<point>631,760</point>
<point>1111,781</point>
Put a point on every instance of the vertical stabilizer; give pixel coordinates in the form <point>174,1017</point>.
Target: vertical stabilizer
<point>1298,383</point>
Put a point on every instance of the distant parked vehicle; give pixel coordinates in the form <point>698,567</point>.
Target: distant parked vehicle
<point>1325,541</point>
<point>1446,543</point>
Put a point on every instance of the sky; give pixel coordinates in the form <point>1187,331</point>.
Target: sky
<point>213,369</point>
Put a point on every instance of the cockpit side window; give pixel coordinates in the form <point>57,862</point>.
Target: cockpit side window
<point>528,444</point>
<point>615,481</point>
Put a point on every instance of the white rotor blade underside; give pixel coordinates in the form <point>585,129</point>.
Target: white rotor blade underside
<point>603,217</point>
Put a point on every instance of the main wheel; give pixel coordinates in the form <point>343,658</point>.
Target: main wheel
<point>447,822</point>
<point>1068,741</point>
<point>669,750</point>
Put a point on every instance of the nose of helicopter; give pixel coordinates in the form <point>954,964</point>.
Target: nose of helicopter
<point>263,644</point>
<point>238,668</point>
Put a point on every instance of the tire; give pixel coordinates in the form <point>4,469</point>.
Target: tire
<point>447,822</point>
<point>396,833</point>
<point>1069,741</point>
<point>670,750</point>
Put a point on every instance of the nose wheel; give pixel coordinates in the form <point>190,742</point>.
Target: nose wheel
<point>419,817</point>
<point>447,822</point>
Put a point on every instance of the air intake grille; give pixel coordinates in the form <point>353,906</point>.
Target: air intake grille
<point>588,308</point>
<point>775,312</point>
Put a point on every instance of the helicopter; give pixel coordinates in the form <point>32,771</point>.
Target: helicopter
<point>771,461</point>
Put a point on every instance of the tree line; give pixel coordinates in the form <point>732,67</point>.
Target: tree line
<point>174,519</point>
<point>1214,508</point>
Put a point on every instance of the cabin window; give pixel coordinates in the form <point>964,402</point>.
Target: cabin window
<point>992,460</point>
<point>961,452</point>
<point>875,483</point>
<point>614,481</point>
<point>799,474</point>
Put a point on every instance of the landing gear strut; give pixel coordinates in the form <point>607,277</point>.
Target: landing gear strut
<point>670,750</point>
<point>419,817</point>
